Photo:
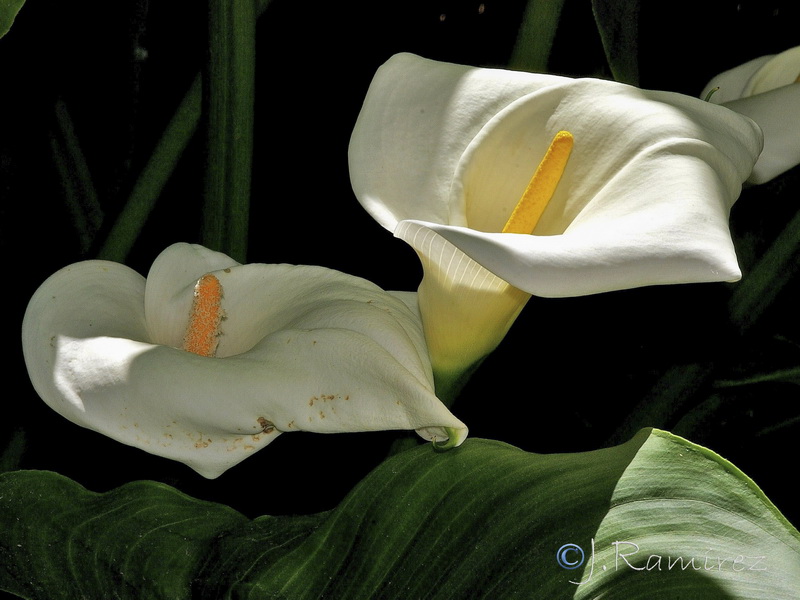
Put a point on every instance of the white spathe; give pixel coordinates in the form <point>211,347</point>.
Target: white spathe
<point>301,348</point>
<point>766,89</point>
<point>441,153</point>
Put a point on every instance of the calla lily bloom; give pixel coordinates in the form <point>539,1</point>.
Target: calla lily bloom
<point>766,89</point>
<point>636,188</point>
<point>207,361</point>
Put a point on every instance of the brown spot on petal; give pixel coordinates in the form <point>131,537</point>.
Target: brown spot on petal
<point>266,426</point>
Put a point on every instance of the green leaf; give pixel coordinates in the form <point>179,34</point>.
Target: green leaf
<point>8,12</point>
<point>665,517</point>
<point>142,540</point>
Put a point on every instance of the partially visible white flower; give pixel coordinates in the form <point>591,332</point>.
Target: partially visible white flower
<point>207,361</point>
<point>766,89</point>
<point>441,155</point>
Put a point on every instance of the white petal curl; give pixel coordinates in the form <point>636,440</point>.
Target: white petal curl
<point>441,153</point>
<point>644,199</point>
<point>301,349</point>
<point>766,89</point>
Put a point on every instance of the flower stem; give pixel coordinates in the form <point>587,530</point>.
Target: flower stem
<point>11,457</point>
<point>770,275</point>
<point>153,177</point>
<point>536,35</point>
<point>448,385</point>
<point>76,179</point>
<point>157,171</point>
<point>747,306</point>
<point>229,93</point>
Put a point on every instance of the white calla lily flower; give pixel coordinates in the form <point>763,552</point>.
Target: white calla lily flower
<point>207,361</point>
<point>639,194</point>
<point>766,89</point>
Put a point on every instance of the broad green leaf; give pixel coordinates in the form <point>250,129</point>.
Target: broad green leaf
<point>665,517</point>
<point>142,540</point>
<point>8,12</point>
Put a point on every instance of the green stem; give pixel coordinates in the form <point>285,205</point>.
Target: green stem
<point>618,25</point>
<point>76,180</point>
<point>536,35</point>
<point>668,398</point>
<point>153,177</point>
<point>448,385</point>
<point>11,457</point>
<point>157,171</point>
<point>747,305</point>
<point>771,274</point>
<point>229,102</point>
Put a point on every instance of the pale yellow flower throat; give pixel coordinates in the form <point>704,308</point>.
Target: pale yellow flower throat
<point>202,333</point>
<point>542,186</point>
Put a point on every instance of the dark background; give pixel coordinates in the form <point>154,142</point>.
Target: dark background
<point>570,372</point>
